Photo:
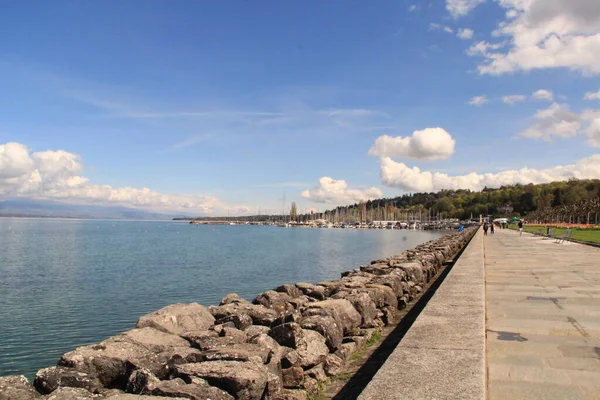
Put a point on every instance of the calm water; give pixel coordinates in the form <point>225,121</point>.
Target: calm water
<point>65,283</point>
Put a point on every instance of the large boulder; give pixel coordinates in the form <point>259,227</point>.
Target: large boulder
<point>238,352</point>
<point>69,393</point>
<point>310,290</point>
<point>144,382</point>
<point>383,296</point>
<point>311,349</point>
<point>113,360</point>
<point>178,318</point>
<point>333,365</point>
<point>290,290</point>
<point>241,321</point>
<point>259,314</point>
<point>366,308</point>
<point>16,387</point>
<point>242,380</point>
<point>292,377</point>
<point>349,318</point>
<point>233,298</point>
<point>278,301</point>
<point>413,270</point>
<point>47,380</point>
<point>288,334</point>
<point>327,326</point>
<point>155,340</point>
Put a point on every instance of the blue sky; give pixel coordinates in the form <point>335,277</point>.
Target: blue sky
<point>225,106</point>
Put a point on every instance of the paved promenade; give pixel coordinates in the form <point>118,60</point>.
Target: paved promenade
<point>442,356</point>
<point>517,317</point>
<point>543,318</point>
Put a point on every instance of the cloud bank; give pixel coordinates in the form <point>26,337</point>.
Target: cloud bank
<point>330,190</point>
<point>398,175</point>
<point>539,34</point>
<point>57,175</point>
<point>429,144</point>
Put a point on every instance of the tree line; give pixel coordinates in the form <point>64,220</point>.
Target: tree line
<point>574,200</point>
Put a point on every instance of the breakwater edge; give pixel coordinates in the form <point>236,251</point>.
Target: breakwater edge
<point>279,346</point>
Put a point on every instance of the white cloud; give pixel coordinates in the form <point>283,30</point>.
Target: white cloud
<point>400,176</point>
<point>330,190</point>
<point>592,131</point>
<point>592,96</point>
<point>459,8</point>
<point>428,144</point>
<point>412,8</point>
<point>437,27</point>
<point>543,94</point>
<point>515,98</point>
<point>547,34</point>
<point>482,48</point>
<point>57,175</point>
<point>478,101</point>
<point>465,33</point>
<point>555,121</point>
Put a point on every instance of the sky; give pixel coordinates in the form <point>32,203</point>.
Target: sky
<point>222,108</point>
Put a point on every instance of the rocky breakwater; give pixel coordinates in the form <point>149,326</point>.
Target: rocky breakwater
<point>280,346</point>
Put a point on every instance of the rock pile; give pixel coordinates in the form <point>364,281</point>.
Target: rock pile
<point>280,346</point>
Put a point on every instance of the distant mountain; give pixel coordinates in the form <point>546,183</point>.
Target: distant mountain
<point>48,208</point>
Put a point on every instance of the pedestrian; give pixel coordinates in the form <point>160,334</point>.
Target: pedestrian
<point>492,228</point>
<point>520,228</point>
<point>485,228</point>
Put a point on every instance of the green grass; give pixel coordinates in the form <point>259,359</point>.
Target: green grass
<point>582,235</point>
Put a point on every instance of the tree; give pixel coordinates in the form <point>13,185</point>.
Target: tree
<point>293,211</point>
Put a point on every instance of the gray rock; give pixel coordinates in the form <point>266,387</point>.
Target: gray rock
<point>311,349</point>
<point>346,350</point>
<point>233,298</point>
<point>47,380</point>
<point>219,327</point>
<point>292,377</point>
<point>382,296</point>
<point>242,380</point>
<point>288,316</point>
<point>178,318</point>
<point>317,373</point>
<point>255,330</point>
<point>414,271</point>
<point>328,327</point>
<point>349,318</point>
<point>241,321</point>
<point>238,352</point>
<point>155,340</point>
<point>290,290</point>
<point>288,334</point>
<point>69,393</point>
<point>333,365</point>
<point>288,394</point>
<point>205,342</point>
<point>316,292</point>
<point>113,360</point>
<point>311,386</point>
<point>16,387</point>
<point>260,315</point>
<point>366,308</point>
<point>234,333</point>
<point>278,301</point>
<point>143,382</point>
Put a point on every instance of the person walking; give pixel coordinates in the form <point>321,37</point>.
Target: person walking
<point>485,228</point>
<point>520,228</point>
<point>492,228</point>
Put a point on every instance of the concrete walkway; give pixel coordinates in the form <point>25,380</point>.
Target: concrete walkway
<point>442,356</point>
<point>543,318</point>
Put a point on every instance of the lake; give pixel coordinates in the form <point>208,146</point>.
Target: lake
<point>66,283</point>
